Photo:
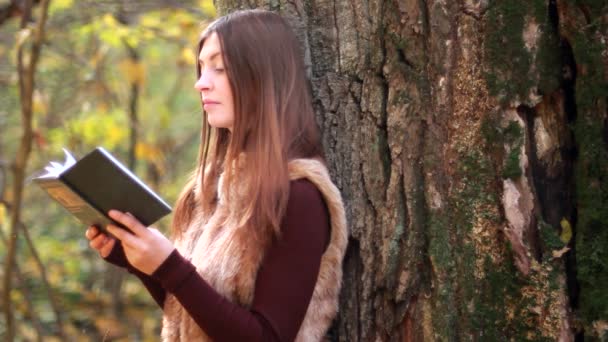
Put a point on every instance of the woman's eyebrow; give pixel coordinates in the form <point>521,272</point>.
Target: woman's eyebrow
<point>210,58</point>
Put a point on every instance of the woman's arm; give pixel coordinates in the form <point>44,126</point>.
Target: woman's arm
<point>284,284</point>
<point>111,250</point>
<point>118,258</point>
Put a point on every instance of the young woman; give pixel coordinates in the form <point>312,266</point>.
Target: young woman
<point>259,232</point>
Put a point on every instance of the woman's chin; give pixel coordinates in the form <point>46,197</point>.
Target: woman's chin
<point>219,124</point>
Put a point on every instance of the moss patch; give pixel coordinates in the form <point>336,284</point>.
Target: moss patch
<point>495,301</point>
<point>505,50</point>
<point>496,137</point>
<point>591,171</point>
<point>512,71</point>
<point>592,226</point>
<point>513,136</point>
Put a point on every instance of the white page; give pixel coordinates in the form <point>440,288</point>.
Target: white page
<point>54,169</point>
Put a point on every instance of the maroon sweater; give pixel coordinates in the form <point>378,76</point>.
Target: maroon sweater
<point>284,284</point>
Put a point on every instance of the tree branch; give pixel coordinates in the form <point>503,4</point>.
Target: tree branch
<point>45,281</point>
<point>26,89</point>
<point>26,295</point>
<point>13,9</point>
<point>4,167</point>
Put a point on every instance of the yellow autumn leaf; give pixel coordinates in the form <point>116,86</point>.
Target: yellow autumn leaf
<point>2,214</point>
<point>109,37</point>
<point>134,71</point>
<point>150,20</point>
<point>148,34</point>
<point>132,40</point>
<point>208,8</point>
<point>150,153</point>
<point>187,56</point>
<point>59,5</point>
<point>114,135</point>
<point>173,32</point>
<point>122,32</point>
<point>147,152</point>
<point>566,234</point>
<point>109,20</point>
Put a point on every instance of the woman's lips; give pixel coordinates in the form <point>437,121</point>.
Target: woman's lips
<point>209,103</point>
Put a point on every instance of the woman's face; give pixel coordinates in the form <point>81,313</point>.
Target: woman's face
<point>214,85</point>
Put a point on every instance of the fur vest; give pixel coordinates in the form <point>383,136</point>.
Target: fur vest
<point>228,257</point>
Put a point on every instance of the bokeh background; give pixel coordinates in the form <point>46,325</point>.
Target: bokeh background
<point>117,74</point>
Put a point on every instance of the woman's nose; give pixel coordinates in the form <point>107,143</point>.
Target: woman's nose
<point>203,82</point>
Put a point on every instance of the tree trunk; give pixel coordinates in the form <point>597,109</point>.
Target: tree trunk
<point>27,60</point>
<point>469,140</point>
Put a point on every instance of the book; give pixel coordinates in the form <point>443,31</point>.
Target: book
<point>90,187</point>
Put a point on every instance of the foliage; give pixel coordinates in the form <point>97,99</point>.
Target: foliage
<point>81,100</point>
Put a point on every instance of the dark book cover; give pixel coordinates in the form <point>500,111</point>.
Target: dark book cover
<point>98,182</point>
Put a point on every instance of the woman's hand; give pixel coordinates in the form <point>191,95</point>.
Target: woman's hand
<point>145,248</point>
<point>100,241</point>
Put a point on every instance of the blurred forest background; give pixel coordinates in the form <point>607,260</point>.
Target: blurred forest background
<point>110,73</point>
<point>469,139</point>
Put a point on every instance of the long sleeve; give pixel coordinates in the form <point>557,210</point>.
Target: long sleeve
<point>117,257</point>
<point>284,284</point>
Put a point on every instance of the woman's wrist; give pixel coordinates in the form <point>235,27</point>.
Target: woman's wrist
<point>117,256</point>
<point>173,271</point>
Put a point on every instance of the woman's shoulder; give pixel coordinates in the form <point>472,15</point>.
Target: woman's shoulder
<point>303,191</point>
<point>306,215</point>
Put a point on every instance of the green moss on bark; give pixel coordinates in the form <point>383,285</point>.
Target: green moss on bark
<point>549,238</point>
<point>505,50</point>
<point>591,170</point>
<point>514,137</point>
<point>487,290</point>
<point>592,226</point>
<point>513,70</point>
<point>496,137</point>
<point>494,300</point>
<point>395,251</point>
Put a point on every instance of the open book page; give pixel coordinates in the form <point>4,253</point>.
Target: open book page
<point>54,169</point>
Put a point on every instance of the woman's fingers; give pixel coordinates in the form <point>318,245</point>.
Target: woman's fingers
<point>91,232</point>
<point>98,241</point>
<point>129,221</point>
<point>123,235</point>
<point>106,249</point>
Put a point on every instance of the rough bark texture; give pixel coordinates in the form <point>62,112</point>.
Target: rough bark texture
<point>469,139</point>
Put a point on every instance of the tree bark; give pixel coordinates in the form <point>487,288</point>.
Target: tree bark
<point>469,139</point>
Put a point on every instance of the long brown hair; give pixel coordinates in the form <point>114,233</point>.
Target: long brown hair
<point>273,120</point>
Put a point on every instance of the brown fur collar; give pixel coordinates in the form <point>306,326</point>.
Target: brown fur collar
<point>228,257</point>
